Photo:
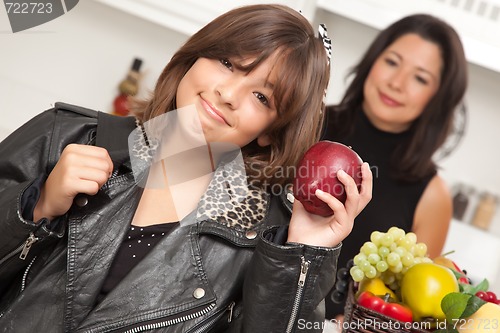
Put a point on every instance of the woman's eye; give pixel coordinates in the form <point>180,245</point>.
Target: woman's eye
<point>390,62</point>
<point>421,80</point>
<point>262,98</point>
<point>226,63</point>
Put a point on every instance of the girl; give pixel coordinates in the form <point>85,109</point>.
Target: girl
<point>396,113</point>
<point>84,248</point>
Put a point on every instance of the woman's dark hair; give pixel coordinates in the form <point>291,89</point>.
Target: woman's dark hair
<point>303,75</point>
<point>412,160</point>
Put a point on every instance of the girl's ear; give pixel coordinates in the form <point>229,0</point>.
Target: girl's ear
<point>263,140</point>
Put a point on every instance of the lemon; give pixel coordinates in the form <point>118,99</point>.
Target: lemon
<point>423,287</point>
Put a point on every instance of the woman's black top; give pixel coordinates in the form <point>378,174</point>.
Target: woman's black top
<point>137,244</point>
<point>393,202</point>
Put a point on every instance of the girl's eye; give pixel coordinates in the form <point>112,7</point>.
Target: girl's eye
<point>226,63</point>
<point>262,98</point>
<point>421,80</point>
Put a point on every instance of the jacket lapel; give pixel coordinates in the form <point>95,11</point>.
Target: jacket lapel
<point>95,233</point>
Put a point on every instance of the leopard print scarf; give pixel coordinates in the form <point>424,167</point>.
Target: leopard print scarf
<point>228,200</point>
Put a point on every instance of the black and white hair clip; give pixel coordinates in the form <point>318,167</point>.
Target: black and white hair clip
<point>327,43</point>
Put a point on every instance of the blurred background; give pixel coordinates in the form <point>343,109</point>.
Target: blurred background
<point>82,56</point>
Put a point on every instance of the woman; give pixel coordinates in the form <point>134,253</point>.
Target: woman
<point>107,226</point>
<point>396,112</point>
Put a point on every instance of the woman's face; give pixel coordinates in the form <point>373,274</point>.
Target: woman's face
<point>401,82</point>
<point>233,106</point>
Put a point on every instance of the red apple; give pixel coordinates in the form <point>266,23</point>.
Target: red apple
<point>318,170</point>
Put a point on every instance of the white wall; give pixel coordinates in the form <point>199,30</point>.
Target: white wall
<point>78,58</point>
<point>81,57</point>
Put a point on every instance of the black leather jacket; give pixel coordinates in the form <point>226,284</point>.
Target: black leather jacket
<point>204,277</point>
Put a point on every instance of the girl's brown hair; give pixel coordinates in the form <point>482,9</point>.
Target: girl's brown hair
<point>412,160</point>
<point>303,74</point>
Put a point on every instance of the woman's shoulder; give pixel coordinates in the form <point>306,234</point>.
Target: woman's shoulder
<point>433,215</point>
<point>437,188</point>
<point>435,200</point>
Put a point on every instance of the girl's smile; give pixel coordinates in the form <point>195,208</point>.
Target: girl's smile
<point>213,112</point>
<point>234,106</point>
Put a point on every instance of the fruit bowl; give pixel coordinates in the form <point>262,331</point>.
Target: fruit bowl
<point>359,319</point>
<point>411,294</point>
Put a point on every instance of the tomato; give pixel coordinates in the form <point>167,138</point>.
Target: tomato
<point>492,297</point>
<point>394,310</point>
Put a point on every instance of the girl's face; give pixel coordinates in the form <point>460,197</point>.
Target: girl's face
<point>233,106</point>
<point>401,82</point>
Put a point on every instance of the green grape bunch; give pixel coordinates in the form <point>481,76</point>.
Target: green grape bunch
<point>388,256</point>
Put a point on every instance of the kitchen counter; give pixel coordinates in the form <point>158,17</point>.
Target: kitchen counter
<point>476,251</point>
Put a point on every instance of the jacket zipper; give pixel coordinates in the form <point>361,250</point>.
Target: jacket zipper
<point>174,321</point>
<point>304,267</point>
<point>27,246</point>
<point>25,275</point>
<point>23,248</point>
<point>216,317</point>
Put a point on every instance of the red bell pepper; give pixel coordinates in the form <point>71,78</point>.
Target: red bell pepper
<point>384,306</point>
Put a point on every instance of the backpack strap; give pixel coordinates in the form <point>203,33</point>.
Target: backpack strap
<point>112,133</point>
<point>66,114</point>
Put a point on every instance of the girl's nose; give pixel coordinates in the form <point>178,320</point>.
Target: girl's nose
<point>229,92</point>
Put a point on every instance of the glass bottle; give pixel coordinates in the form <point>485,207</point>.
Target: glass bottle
<point>485,211</point>
<point>127,87</point>
<point>460,202</point>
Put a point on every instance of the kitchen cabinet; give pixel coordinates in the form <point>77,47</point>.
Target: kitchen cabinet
<point>188,16</point>
<point>477,21</point>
